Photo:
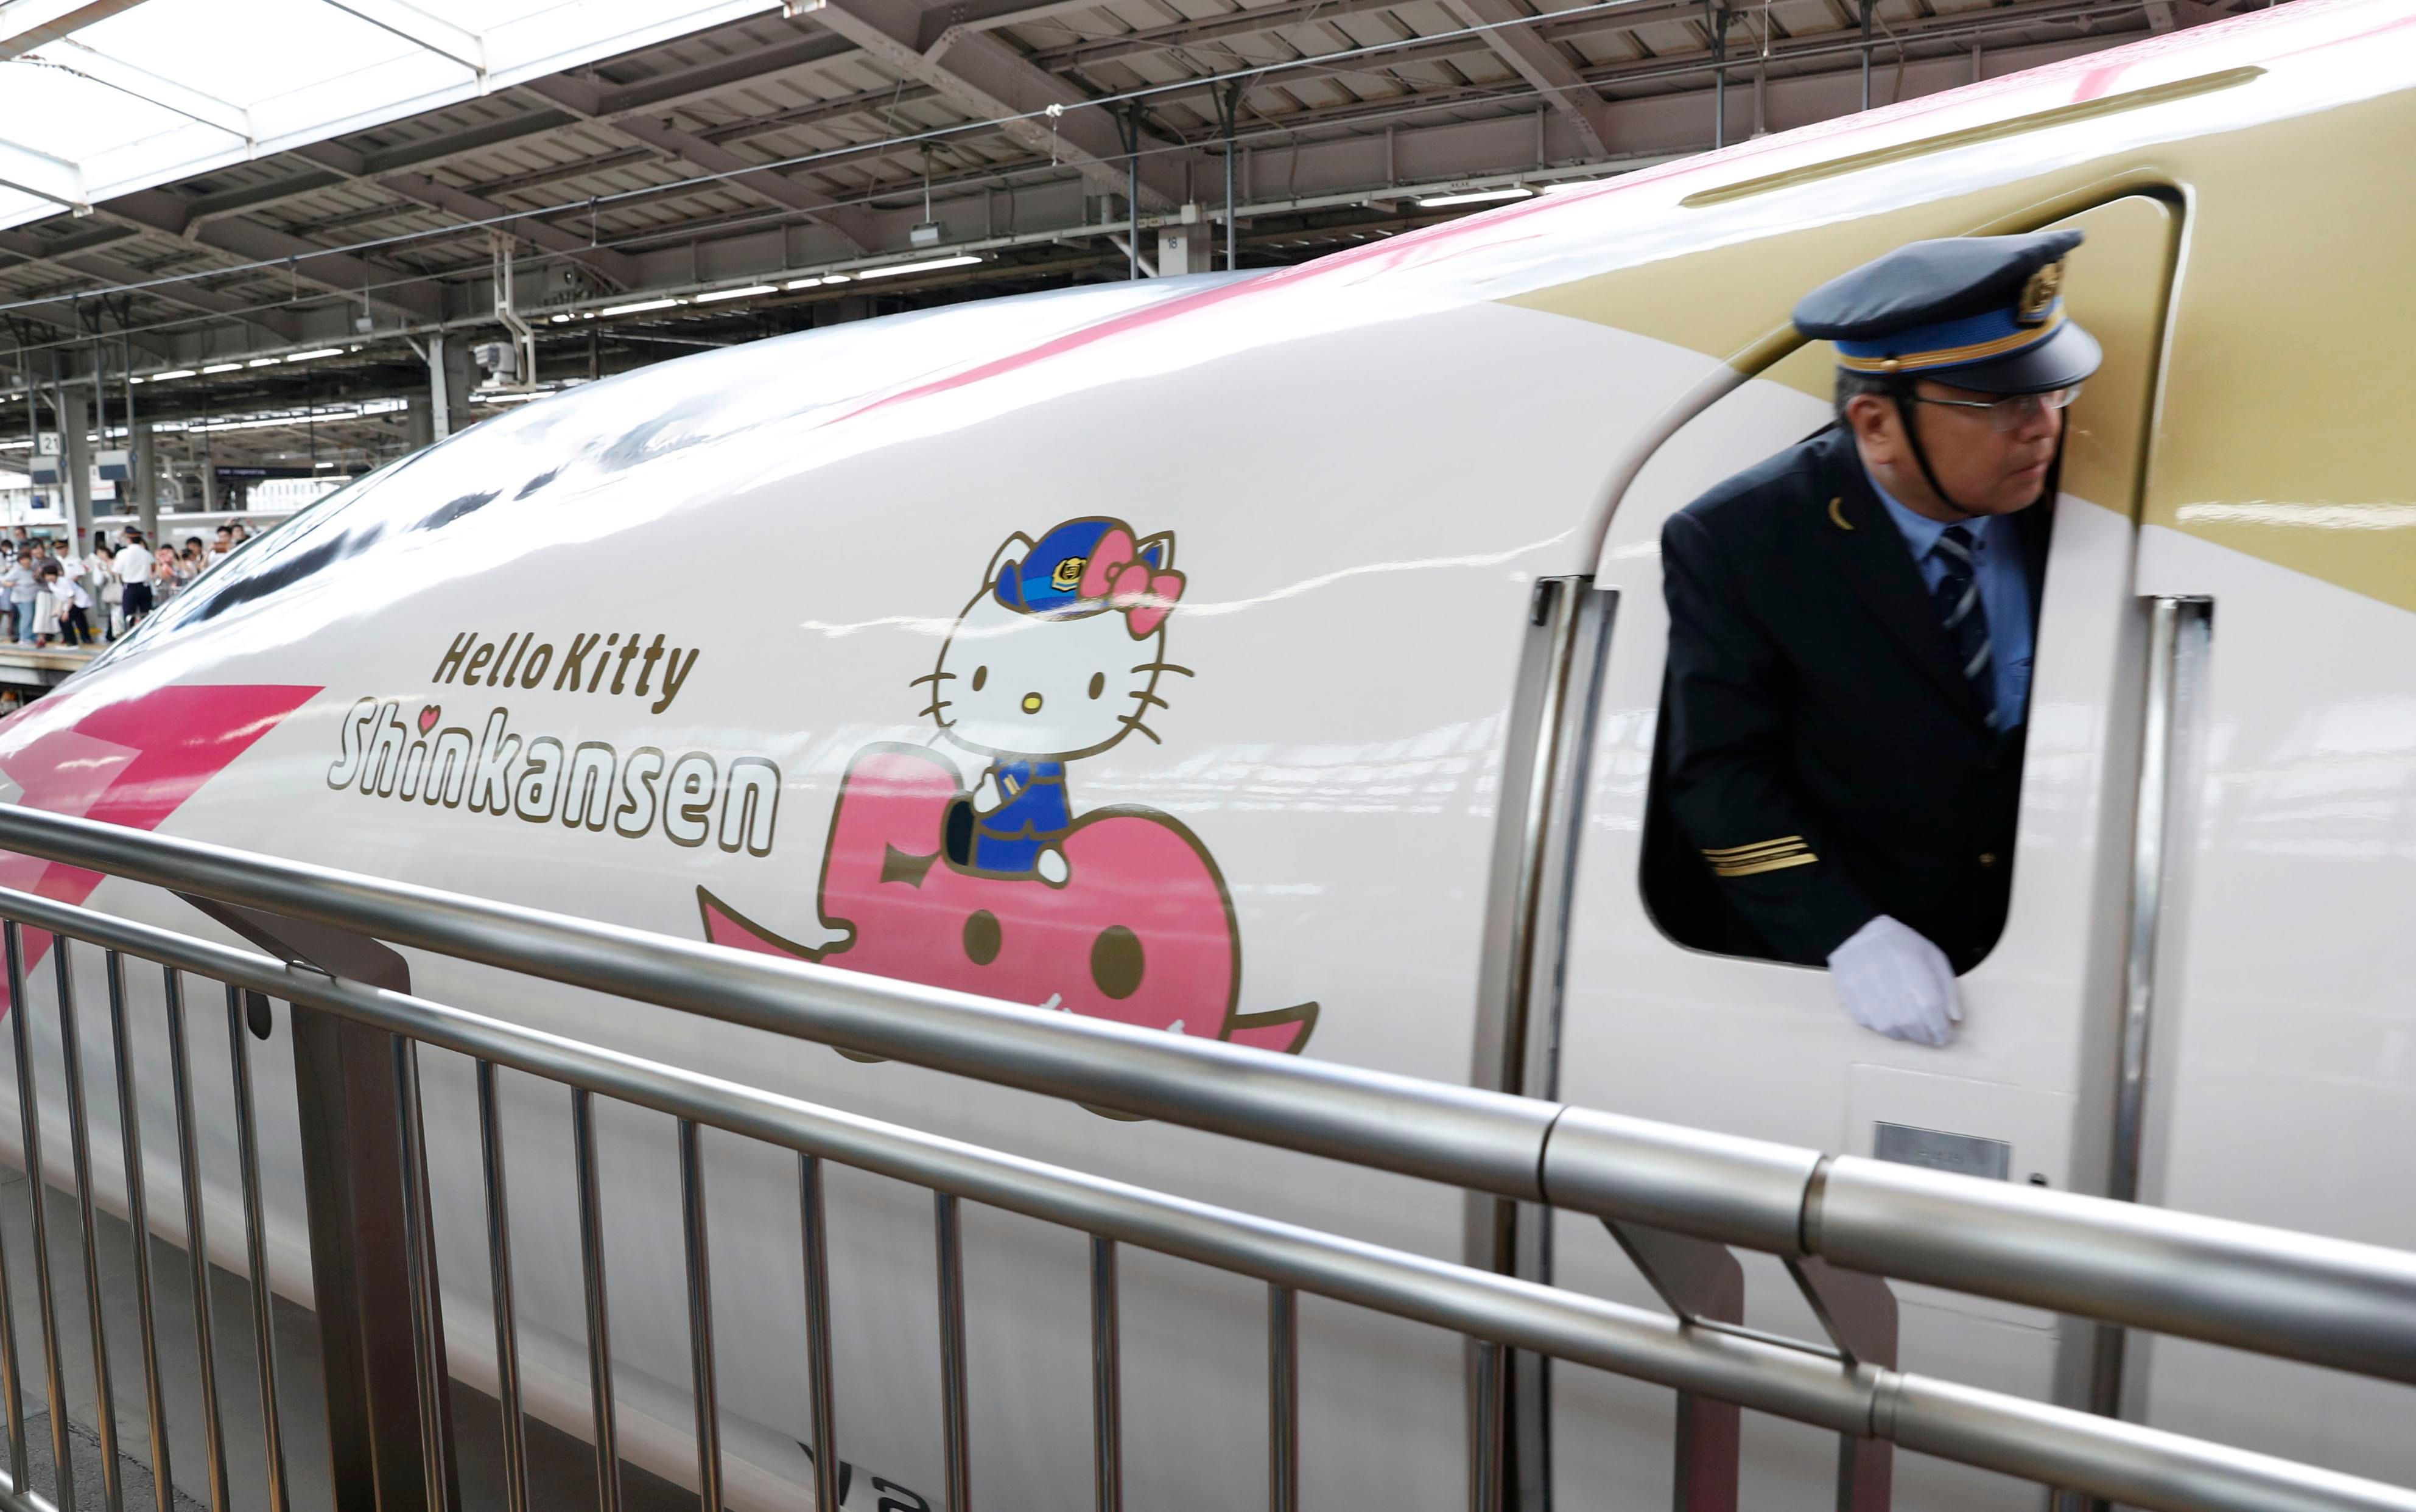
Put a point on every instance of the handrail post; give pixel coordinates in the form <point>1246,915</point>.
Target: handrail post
<point>382,1344</point>
<point>1858,1313</point>
<point>1702,1283</point>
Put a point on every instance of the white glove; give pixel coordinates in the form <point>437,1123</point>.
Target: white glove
<point>1892,981</point>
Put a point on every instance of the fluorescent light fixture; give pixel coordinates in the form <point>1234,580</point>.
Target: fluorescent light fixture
<point>1436,202</point>
<point>313,356</point>
<point>640,308</point>
<point>222,367</point>
<point>748,292</point>
<point>173,372</point>
<point>289,420</point>
<point>928,266</point>
<point>326,464</point>
<point>559,318</point>
<point>835,278</point>
<point>805,283</point>
<point>138,381</point>
<point>263,362</point>
<point>508,398</point>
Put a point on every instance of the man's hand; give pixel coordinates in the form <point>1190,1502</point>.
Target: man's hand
<point>1892,981</point>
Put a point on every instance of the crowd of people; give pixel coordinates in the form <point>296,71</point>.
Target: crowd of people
<point>57,594</point>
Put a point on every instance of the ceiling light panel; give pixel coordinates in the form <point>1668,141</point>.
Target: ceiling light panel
<point>168,89</point>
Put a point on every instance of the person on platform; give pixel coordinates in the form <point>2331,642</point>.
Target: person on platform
<point>133,567</point>
<point>24,586</point>
<point>78,621</point>
<point>46,604</point>
<point>72,601</point>
<point>102,577</point>
<point>1851,632</point>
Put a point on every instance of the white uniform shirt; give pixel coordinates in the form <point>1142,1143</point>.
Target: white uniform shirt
<point>133,564</point>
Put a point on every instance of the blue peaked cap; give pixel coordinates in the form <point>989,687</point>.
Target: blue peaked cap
<point>1048,579</point>
<point>1979,312</point>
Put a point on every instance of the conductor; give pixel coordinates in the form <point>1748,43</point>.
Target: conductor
<point>1850,631</point>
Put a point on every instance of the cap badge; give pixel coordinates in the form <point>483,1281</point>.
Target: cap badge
<point>2039,295</point>
<point>1067,575</point>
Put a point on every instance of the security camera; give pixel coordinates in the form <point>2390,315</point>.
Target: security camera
<point>497,360</point>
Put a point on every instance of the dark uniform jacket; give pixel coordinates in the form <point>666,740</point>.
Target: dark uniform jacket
<point>1821,759</point>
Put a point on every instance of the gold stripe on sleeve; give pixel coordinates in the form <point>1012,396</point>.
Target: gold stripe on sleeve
<point>1770,864</point>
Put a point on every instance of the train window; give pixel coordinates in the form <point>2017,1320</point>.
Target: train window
<point>314,536</point>
<point>1843,715</point>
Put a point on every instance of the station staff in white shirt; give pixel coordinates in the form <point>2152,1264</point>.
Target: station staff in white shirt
<point>133,569</point>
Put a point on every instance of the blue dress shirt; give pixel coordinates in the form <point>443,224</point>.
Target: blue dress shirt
<point>2004,593</point>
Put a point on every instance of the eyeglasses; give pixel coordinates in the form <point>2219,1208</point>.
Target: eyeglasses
<point>2013,410</point>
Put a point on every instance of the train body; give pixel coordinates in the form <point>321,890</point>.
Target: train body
<point>755,647</point>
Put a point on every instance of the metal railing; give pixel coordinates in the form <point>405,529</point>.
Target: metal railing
<point>1675,1199</point>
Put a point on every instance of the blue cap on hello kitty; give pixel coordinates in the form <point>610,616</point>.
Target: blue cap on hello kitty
<point>1049,577</point>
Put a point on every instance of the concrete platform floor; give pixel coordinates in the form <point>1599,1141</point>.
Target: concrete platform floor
<point>562,1472</point>
<point>29,670</point>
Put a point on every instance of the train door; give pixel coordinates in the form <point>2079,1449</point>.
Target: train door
<point>2281,1087</point>
<point>1753,1047</point>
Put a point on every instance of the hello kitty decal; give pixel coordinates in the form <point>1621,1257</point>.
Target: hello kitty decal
<point>1094,599</point>
<point>999,884</point>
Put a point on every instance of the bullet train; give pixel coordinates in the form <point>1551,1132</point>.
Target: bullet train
<point>759,647</point>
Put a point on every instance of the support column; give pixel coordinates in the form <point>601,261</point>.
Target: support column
<point>449,382</point>
<point>209,484</point>
<point>75,452</point>
<point>146,481</point>
<point>419,421</point>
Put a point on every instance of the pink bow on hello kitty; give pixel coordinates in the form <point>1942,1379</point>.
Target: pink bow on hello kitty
<point>1117,574</point>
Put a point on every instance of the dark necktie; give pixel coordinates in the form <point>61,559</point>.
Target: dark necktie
<point>1957,598</point>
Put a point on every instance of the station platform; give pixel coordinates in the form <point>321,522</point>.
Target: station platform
<point>30,670</point>
<point>562,1469</point>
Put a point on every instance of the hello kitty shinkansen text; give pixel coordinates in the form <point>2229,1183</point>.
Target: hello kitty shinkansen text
<point>999,884</point>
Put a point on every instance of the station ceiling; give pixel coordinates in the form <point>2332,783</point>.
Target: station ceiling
<point>635,152</point>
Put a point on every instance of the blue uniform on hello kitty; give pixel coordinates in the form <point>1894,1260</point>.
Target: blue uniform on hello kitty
<point>1079,568</point>
<point>1035,814</point>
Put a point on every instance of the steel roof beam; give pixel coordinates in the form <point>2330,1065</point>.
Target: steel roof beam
<point>1542,65</point>
<point>653,94</point>
<point>612,265</point>
<point>1809,47</point>
<point>2171,15</point>
<point>1183,34</point>
<point>423,30</point>
<point>63,317</point>
<point>983,76</point>
<point>143,84</point>
<point>711,78</point>
<point>586,100</point>
<point>1343,116</point>
<point>337,273</point>
<point>989,15</point>
<point>29,23</point>
<point>189,295</point>
<point>798,117</point>
<point>42,175</point>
